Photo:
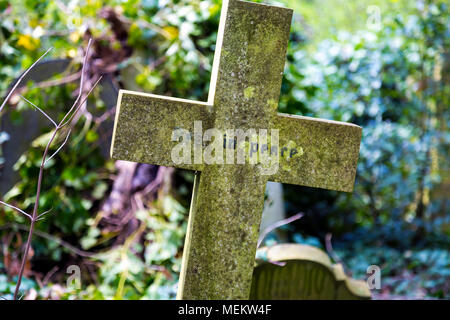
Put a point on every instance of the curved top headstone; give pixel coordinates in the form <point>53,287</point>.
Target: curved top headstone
<point>308,274</point>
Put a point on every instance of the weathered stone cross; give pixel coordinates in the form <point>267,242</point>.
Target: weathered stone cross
<point>228,199</point>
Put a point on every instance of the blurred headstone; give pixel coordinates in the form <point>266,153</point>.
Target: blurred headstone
<point>34,122</point>
<point>20,139</point>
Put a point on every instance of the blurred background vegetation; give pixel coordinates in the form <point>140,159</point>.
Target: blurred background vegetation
<point>124,224</point>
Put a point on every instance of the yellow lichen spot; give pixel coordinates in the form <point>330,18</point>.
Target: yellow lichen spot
<point>28,42</point>
<point>290,152</point>
<point>291,144</point>
<point>272,103</point>
<point>294,150</point>
<point>249,92</point>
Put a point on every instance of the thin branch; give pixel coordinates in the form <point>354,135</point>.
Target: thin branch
<point>52,83</point>
<point>105,116</point>
<point>49,275</point>
<point>71,118</point>
<point>81,84</point>
<point>46,115</point>
<point>333,254</point>
<point>17,209</point>
<point>80,105</point>
<point>274,226</point>
<point>21,78</point>
<point>62,146</point>
<point>62,243</point>
<point>43,214</point>
<point>57,82</point>
<point>277,225</point>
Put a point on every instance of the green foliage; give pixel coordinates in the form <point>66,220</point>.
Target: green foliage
<point>146,269</point>
<point>411,273</point>
<point>8,286</point>
<point>389,82</point>
<point>71,186</point>
<point>393,84</point>
<point>322,19</point>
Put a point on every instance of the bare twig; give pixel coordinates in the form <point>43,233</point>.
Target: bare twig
<point>51,83</point>
<point>55,239</point>
<point>21,78</point>
<point>57,82</point>
<point>63,123</point>
<point>46,115</point>
<point>277,225</point>
<point>333,254</point>
<point>49,275</point>
<point>60,147</point>
<point>38,193</point>
<point>139,196</point>
<point>43,214</point>
<point>17,209</point>
<point>79,106</point>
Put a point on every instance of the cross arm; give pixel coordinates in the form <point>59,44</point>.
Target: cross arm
<point>145,124</point>
<point>317,153</point>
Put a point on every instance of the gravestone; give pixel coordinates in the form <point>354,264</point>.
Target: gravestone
<point>20,139</point>
<point>308,274</point>
<point>228,198</point>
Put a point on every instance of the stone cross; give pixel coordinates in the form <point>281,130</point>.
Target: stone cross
<point>227,200</point>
